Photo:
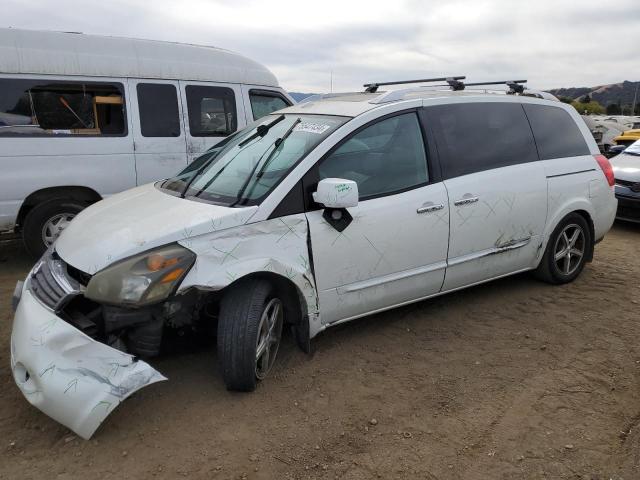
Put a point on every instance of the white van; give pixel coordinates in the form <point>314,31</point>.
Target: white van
<point>83,117</point>
<point>324,212</point>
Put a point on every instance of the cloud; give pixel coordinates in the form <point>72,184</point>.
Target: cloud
<point>552,43</point>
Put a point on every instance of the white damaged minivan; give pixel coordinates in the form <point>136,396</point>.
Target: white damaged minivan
<point>320,213</point>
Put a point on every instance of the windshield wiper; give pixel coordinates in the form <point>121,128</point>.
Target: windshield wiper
<point>276,146</point>
<point>261,130</point>
<point>206,164</point>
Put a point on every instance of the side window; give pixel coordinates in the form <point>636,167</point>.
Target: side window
<point>473,137</point>
<point>158,107</point>
<point>384,158</point>
<point>45,108</point>
<point>212,111</point>
<point>263,103</point>
<point>556,133</point>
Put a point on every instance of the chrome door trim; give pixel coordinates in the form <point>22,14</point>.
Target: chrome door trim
<point>392,277</point>
<point>505,247</point>
<point>430,208</point>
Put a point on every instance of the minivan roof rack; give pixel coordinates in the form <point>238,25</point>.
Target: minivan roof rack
<point>453,82</point>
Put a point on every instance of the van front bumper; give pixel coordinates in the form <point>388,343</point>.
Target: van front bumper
<point>67,375</point>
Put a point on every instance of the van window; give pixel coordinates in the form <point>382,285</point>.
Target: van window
<point>264,102</point>
<point>212,111</point>
<point>158,107</point>
<point>556,133</point>
<point>61,108</point>
<point>384,158</point>
<point>473,137</point>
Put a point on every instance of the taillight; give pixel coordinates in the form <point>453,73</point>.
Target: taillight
<point>607,169</point>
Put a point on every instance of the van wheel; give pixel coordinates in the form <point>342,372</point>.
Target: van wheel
<point>45,221</point>
<point>249,332</point>
<point>567,251</point>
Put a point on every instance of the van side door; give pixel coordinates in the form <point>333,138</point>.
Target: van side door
<point>213,111</point>
<point>159,139</point>
<point>260,101</point>
<point>497,189</point>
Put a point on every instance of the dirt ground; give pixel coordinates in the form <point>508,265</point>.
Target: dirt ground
<point>514,379</point>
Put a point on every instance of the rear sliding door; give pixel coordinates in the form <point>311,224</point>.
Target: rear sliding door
<point>497,189</point>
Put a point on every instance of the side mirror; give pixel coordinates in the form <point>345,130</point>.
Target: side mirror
<point>336,193</point>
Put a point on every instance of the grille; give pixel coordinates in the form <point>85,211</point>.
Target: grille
<point>50,283</point>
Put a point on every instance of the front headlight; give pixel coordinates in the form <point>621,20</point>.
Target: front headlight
<point>143,279</point>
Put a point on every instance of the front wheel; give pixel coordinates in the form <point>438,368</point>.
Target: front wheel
<point>569,246</point>
<point>249,333</point>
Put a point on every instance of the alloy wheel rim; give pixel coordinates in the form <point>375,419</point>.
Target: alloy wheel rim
<point>54,226</point>
<point>269,333</point>
<point>569,249</point>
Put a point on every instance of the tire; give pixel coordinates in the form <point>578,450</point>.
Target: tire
<point>556,268</point>
<point>251,318</point>
<point>60,210</point>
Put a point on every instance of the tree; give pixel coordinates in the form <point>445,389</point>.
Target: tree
<point>586,99</point>
<point>613,109</point>
<point>591,108</point>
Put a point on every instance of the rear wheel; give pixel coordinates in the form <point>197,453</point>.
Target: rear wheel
<point>567,251</point>
<point>249,333</point>
<point>46,221</point>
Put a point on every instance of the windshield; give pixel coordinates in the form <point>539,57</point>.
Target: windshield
<point>245,167</point>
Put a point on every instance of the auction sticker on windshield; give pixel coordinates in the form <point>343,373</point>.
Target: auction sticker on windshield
<point>309,127</point>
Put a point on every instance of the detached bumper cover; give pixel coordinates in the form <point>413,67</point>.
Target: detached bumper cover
<point>72,378</point>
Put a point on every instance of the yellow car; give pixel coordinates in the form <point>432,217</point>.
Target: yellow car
<point>628,137</point>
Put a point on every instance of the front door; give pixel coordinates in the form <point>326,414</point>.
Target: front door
<point>394,250</point>
<point>497,189</point>
<point>159,139</point>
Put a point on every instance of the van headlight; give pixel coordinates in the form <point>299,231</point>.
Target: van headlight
<point>143,279</point>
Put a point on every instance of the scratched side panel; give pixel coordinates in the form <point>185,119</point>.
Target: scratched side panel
<point>511,211</point>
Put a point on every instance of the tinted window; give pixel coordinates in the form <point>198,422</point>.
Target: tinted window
<point>383,158</point>
<point>158,106</point>
<point>472,137</point>
<point>38,107</point>
<point>556,133</point>
<point>212,111</point>
<point>263,103</point>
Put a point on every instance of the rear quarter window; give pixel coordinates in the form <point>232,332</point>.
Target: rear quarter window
<point>556,132</point>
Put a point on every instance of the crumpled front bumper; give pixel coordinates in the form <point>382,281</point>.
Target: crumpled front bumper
<point>72,378</point>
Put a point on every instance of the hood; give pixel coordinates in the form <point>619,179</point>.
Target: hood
<point>626,167</point>
<point>137,220</point>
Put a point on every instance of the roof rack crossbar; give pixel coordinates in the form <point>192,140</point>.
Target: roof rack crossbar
<point>515,86</point>
<point>373,87</point>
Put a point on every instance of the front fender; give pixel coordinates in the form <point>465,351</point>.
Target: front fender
<point>277,246</point>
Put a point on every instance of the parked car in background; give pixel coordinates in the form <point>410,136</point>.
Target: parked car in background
<point>321,213</point>
<point>626,169</point>
<point>83,117</point>
<point>628,137</point>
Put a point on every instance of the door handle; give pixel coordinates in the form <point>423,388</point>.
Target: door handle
<point>466,201</point>
<point>430,208</point>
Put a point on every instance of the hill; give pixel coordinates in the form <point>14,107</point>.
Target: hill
<point>620,93</point>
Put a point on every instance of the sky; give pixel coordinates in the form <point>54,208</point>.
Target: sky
<point>329,44</point>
